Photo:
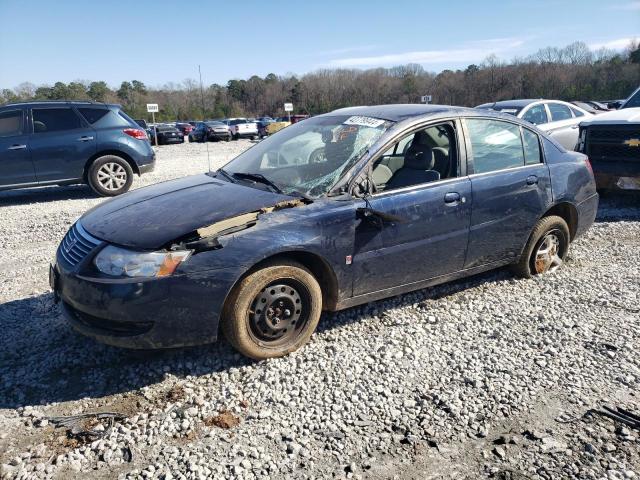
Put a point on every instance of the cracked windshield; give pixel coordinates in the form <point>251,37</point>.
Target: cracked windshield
<point>309,157</point>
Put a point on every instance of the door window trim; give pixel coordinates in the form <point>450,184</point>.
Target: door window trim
<point>460,147</point>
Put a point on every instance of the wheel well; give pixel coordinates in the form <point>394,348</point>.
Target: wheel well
<point>568,213</point>
<point>117,153</point>
<point>320,269</point>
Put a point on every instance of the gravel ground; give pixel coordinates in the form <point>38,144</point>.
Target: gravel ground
<point>487,377</point>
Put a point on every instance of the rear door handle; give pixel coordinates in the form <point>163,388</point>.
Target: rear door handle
<point>452,197</point>
<point>85,138</point>
<point>532,180</point>
<point>17,147</point>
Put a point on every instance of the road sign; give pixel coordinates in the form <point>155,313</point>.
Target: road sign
<point>288,107</point>
<point>152,107</point>
<point>426,98</point>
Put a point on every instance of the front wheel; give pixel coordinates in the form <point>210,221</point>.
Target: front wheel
<point>546,248</point>
<point>110,175</point>
<point>273,311</point>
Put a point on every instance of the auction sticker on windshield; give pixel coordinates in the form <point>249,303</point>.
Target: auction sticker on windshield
<point>363,121</point>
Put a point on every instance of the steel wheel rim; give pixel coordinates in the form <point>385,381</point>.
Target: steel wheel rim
<point>279,312</point>
<point>548,258</point>
<point>112,176</point>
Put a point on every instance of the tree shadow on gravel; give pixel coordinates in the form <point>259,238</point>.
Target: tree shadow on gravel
<point>42,360</point>
<point>619,207</point>
<point>26,196</point>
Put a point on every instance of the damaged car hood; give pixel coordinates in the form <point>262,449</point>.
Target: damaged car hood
<point>152,217</point>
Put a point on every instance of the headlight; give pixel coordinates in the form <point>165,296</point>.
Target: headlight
<point>120,262</point>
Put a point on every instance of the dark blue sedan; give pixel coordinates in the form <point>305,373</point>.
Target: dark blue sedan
<point>402,197</point>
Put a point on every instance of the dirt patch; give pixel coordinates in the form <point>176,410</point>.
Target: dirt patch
<point>224,419</point>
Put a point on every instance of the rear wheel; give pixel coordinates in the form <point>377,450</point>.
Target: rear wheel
<point>546,249</point>
<point>272,311</point>
<point>110,175</point>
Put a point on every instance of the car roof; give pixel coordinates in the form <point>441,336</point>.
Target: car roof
<point>60,102</point>
<point>395,112</point>
<point>518,103</point>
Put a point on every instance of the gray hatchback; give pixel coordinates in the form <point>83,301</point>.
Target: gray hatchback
<point>64,143</point>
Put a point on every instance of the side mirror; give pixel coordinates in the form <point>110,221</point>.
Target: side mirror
<point>362,188</point>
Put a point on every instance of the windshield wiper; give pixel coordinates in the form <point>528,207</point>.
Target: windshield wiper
<point>226,175</point>
<point>299,194</point>
<point>258,177</point>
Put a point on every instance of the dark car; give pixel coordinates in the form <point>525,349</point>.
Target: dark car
<point>262,125</point>
<point>142,123</point>
<point>166,135</point>
<point>612,142</point>
<point>185,128</point>
<point>210,130</point>
<point>63,143</point>
<point>405,197</point>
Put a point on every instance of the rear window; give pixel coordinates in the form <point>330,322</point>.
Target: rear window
<point>54,120</point>
<point>102,117</point>
<point>10,123</point>
<point>559,112</point>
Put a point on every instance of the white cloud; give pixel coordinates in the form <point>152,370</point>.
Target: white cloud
<point>617,44</point>
<point>344,51</point>
<point>474,51</point>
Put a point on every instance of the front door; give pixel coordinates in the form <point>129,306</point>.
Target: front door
<point>16,167</point>
<point>61,143</point>
<point>511,189</point>
<point>418,222</point>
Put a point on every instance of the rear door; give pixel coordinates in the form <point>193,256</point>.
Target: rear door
<point>563,126</point>
<point>510,185</point>
<point>15,159</point>
<point>61,143</point>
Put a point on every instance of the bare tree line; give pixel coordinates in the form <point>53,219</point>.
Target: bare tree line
<point>570,73</point>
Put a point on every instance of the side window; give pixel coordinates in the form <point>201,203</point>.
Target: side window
<point>11,123</point>
<point>495,145</point>
<point>103,118</point>
<point>54,120</point>
<point>531,145</point>
<point>559,112</point>
<point>427,155</point>
<point>536,115</point>
<point>576,112</point>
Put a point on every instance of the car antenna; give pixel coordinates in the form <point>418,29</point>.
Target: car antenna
<point>202,98</point>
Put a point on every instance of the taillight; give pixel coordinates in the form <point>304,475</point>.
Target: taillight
<point>136,133</point>
<point>588,163</point>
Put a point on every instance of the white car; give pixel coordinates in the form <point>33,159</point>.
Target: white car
<point>558,119</point>
<point>241,127</point>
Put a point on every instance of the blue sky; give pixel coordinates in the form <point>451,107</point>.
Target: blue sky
<point>160,41</point>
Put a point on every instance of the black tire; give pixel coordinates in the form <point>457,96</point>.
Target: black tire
<point>261,333</point>
<point>227,138</point>
<point>235,136</point>
<point>534,260</point>
<point>101,166</point>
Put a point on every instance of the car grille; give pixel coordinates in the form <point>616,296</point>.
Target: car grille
<point>608,143</point>
<point>77,244</point>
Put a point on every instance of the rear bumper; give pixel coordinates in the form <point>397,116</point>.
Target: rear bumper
<point>587,211</point>
<point>218,135</point>
<point>617,175</point>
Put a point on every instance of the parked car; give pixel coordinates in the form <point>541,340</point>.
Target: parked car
<point>185,128</point>
<point>277,125</point>
<point>142,124</point>
<point>601,107</point>
<point>633,101</point>
<point>587,107</point>
<point>210,130</point>
<point>298,118</point>
<point>166,134</point>
<point>558,119</point>
<point>262,125</point>
<point>64,143</point>
<point>612,143</point>
<point>242,128</point>
<point>408,196</point>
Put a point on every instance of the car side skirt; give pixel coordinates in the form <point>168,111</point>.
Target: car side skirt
<point>410,287</point>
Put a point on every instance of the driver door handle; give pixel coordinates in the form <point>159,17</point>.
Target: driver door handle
<point>532,180</point>
<point>17,147</point>
<point>452,197</point>
<point>85,138</point>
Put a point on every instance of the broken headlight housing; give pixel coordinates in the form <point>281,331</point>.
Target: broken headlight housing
<point>120,262</point>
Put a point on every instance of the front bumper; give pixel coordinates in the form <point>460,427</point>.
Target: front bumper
<point>617,175</point>
<point>180,310</point>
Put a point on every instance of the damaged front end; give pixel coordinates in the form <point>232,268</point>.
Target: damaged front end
<point>206,238</point>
